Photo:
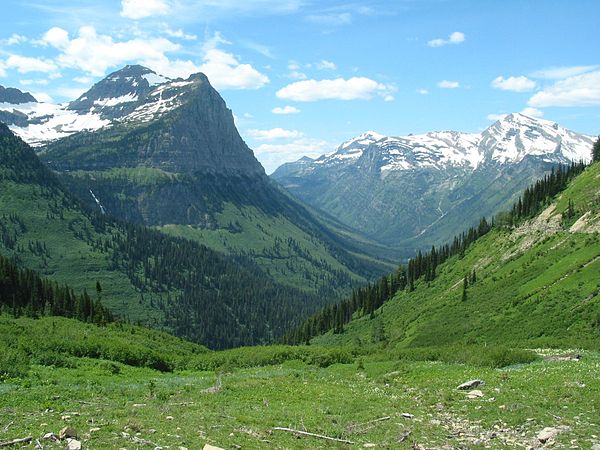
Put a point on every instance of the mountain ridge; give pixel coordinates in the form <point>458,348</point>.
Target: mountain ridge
<point>418,190</point>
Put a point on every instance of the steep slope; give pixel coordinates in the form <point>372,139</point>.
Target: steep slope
<point>418,190</point>
<point>166,153</point>
<point>146,276</point>
<point>536,284</point>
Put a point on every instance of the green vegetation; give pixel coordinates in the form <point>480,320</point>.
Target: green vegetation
<point>404,399</point>
<point>146,277</point>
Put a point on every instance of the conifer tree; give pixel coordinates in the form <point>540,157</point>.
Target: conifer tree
<point>596,150</point>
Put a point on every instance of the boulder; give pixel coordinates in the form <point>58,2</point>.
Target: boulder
<point>476,393</point>
<point>211,447</point>
<point>67,432</point>
<point>73,444</point>
<point>469,385</point>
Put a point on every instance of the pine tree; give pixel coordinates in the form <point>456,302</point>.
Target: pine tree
<point>596,150</point>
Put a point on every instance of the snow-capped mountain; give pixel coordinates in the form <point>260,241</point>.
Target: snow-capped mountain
<point>509,140</point>
<point>409,188</point>
<point>132,94</point>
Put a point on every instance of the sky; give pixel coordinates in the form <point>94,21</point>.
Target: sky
<point>303,76</point>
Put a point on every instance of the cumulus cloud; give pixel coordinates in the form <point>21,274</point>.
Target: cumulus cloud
<point>75,53</point>
<point>447,84</point>
<point>25,64</point>
<point>326,65</point>
<point>56,37</point>
<point>285,110</point>
<point>273,155</point>
<point>423,91</point>
<point>558,73</point>
<point>225,71</point>
<point>274,134</point>
<point>355,88</point>
<point>579,90</point>
<point>455,38</point>
<point>515,84</point>
<point>14,39</point>
<point>496,117</point>
<point>532,112</point>
<point>139,9</point>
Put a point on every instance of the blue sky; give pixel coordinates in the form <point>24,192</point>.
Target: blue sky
<point>302,76</point>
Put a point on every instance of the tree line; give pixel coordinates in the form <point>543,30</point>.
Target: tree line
<point>366,300</point>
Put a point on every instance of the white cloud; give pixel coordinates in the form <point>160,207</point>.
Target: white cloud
<point>179,34</point>
<point>272,156</point>
<point>532,112</point>
<point>455,38</point>
<point>423,91</point>
<point>71,93</point>
<point>558,73</point>
<point>31,82</point>
<point>273,134</point>
<point>83,80</point>
<point>56,37</point>
<point>75,53</point>
<point>224,69</point>
<point>579,90</point>
<point>14,39</point>
<point>42,97</point>
<point>496,117</point>
<point>515,84</point>
<point>446,84</point>
<point>326,65</point>
<point>139,9</point>
<point>296,75</point>
<point>25,64</point>
<point>355,88</point>
<point>333,19</point>
<point>285,110</point>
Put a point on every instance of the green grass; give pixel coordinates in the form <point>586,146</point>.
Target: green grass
<point>282,249</point>
<point>116,405</point>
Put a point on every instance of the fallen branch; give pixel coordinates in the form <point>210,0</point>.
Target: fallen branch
<point>16,441</point>
<point>306,433</point>
<point>361,426</point>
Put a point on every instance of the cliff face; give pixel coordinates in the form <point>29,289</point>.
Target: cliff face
<point>179,126</point>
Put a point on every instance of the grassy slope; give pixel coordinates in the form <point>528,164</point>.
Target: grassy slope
<point>534,287</point>
<point>70,259</point>
<point>114,405</point>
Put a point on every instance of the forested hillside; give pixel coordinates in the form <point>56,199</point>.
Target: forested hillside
<point>145,276</point>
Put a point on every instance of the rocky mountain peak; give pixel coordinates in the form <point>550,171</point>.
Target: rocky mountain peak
<point>15,96</point>
<point>119,93</point>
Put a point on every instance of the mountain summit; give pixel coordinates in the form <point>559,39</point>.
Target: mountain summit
<point>421,189</point>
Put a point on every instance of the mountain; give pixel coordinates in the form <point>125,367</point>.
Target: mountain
<point>418,190</point>
<point>145,276</point>
<point>165,153</point>
<point>529,281</point>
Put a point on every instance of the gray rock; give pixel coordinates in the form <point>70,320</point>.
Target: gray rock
<point>67,432</point>
<point>470,385</point>
<point>73,444</point>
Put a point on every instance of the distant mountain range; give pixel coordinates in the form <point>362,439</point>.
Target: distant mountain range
<point>418,190</point>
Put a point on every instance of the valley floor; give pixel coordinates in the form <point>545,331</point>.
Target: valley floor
<point>377,404</point>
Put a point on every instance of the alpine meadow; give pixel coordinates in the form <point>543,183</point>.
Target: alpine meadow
<point>287,224</point>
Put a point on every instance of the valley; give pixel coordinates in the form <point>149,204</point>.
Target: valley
<point>201,248</point>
